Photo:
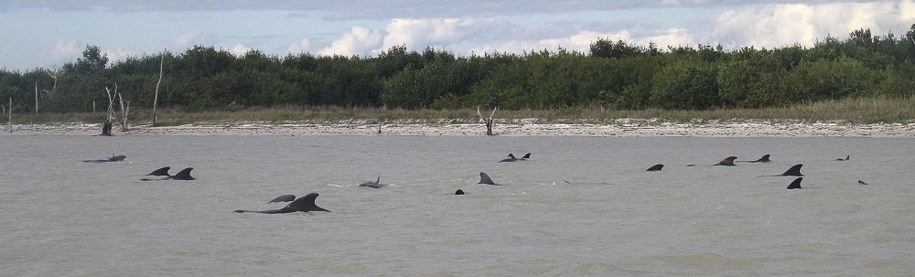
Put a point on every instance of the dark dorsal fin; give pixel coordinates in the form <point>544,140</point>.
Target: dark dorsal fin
<point>283,198</point>
<point>764,159</point>
<point>729,161</point>
<point>656,167</point>
<point>161,172</point>
<point>526,156</point>
<point>305,203</point>
<point>376,184</point>
<point>796,184</point>
<point>184,174</point>
<point>485,180</point>
<point>117,158</point>
<point>511,158</point>
<point>459,192</point>
<point>795,170</point>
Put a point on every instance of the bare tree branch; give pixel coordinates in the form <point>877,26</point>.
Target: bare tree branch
<point>487,121</point>
<point>55,73</point>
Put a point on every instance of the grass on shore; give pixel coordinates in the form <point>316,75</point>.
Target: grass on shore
<point>853,111</point>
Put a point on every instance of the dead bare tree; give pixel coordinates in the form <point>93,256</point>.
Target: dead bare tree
<point>156,97</point>
<point>36,97</point>
<point>55,73</point>
<point>10,110</point>
<point>124,111</point>
<point>106,127</point>
<point>487,121</point>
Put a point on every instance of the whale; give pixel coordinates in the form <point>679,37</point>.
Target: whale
<point>845,159</point>
<point>184,174</point>
<point>763,159</point>
<point>526,156</point>
<point>511,158</point>
<point>656,167</point>
<point>729,161</point>
<point>796,184</point>
<point>861,182</point>
<point>161,171</point>
<point>114,158</point>
<point>795,170</point>
<point>375,185</point>
<point>485,180</point>
<point>283,198</point>
<point>459,192</point>
<point>303,204</point>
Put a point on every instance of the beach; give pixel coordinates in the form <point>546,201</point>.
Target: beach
<point>529,127</point>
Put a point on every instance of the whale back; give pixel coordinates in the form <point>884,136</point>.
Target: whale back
<point>305,204</point>
<point>283,198</point>
<point>377,184</point>
<point>511,158</point>
<point>184,174</point>
<point>117,158</point>
<point>485,180</point>
<point>161,171</point>
<point>764,159</point>
<point>656,167</point>
<point>729,161</point>
<point>796,184</point>
<point>795,170</point>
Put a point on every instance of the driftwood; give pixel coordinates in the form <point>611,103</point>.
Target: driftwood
<point>487,121</point>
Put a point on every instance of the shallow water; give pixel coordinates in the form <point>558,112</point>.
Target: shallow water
<point>580,206</point>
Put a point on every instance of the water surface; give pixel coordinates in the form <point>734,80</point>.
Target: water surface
<point>580,206</point>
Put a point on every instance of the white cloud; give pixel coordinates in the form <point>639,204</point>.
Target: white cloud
<point>118,55</point>
<point>419,33</point>
<point>358,41</point>
<point>299,47</point>
<point>782,25</point>
<point>67,49</point>
<point>907,11</point>
<point>580,42</point>
<point>672,37</point>
<point>239,50</point>
<point>187,40</point>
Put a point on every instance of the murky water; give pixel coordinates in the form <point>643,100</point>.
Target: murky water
<point>580,206</point>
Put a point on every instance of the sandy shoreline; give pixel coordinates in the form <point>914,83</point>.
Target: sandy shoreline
<point>621,128</point>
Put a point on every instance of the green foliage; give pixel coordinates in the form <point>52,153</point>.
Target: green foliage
<point>614,75</point>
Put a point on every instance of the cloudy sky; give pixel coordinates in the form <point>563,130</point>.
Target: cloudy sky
<point>45,33</point>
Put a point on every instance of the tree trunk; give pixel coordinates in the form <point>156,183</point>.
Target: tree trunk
<point>124,111</point>
<point>155,116</point>
<point>489,127</point>
<point>10,110</point>
<point>36,97</point>
<point>106,128</point>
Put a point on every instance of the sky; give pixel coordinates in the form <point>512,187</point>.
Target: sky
<point>49,33</point>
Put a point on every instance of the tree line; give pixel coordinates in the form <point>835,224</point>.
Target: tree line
<point>613,75</point>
